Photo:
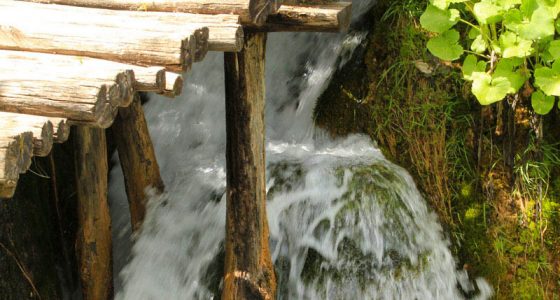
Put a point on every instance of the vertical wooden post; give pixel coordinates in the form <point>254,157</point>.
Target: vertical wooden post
<point>249,273</point>
<point>138,159</point>
<point>94,233</point>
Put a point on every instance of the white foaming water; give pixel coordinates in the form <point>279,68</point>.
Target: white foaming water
<point>345,223</point>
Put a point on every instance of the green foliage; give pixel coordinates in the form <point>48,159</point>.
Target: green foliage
<point>509,43</point>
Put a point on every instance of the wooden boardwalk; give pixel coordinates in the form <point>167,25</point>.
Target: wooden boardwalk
<point>79,64</point>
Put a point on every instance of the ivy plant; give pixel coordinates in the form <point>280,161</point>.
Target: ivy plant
<point>504,45</point>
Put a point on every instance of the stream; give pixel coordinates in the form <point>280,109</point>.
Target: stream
<point>345,223</point>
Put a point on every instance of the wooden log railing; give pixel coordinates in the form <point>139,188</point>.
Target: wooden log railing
<point>250,11</point>
<point>333,17</point>
<point>83,90</point>
<point>89,32</point>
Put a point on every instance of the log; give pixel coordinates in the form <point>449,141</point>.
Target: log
<point>173,85</point>
<point>96,33</point>
<point>15,158</point>
<point>42,128</point>
<point>152,80</point>
<point>94,233</point>
<point>333,17</point>
<point>137,158</point>
<point>250,11</point>
<point>79,89</point>
<point>61,129</point>
<point>249,273</point>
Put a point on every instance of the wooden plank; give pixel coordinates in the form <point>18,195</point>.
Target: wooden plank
<point>249,273</point>
<point>96,33</point>
<point>94,233</point>
<point>76,88</point>
<point>250,11</point>
<point>333,17</point>
<point>137,158</point>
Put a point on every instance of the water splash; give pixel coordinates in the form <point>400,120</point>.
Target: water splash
<point>345,223</point>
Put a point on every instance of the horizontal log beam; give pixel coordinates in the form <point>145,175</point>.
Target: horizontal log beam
<point>111,35</point>
<point>79,89</point>
<point>334,17</point>
<point>84,90</point>
<point>250,11</point>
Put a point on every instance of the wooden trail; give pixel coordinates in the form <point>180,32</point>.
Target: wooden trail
<point>82,63</point>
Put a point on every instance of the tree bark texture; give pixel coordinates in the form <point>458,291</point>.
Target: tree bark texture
<point>249,273</point>
<point>94,233</point>
<point>138,159</point>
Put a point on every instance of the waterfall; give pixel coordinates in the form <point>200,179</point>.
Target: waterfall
<point>345,223</point>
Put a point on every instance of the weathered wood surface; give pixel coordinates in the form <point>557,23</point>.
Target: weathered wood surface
<point>64,86</point>
<point>42,129</point>
<point>15,157</point>
<point>250,11</point>
<point>333,17</point>
<point>112,35</point>
<point>173,85</point>
<point>137,158</point>
<point>249,273</point>
<point>81,89</point>
<point>94,233</point>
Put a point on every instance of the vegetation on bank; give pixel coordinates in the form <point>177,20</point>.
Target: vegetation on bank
<point>491,172</point>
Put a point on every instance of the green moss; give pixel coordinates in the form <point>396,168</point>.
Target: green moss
<point>505,223</point>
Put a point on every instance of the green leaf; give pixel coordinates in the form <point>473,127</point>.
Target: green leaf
<point>470,65</point>
<point>446,45</point>
<point>507,4</point>
<point>542,104</point>
<point>514,46</point>
<point>438,20</point>
<point>513,20</point>
<point>444,4</point>
<point>489,90</point>
<point>506,68</point>
<point>554,49</point>
<point>541,25</point>
<point>479,45</point>
<point>557,25</point>
<point>486,12</point>
<point>548,80</point>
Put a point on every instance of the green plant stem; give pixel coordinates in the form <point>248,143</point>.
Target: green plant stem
<point>477,54</point>
<point>470,24</point>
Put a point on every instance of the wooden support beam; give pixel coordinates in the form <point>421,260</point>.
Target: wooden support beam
<point>333,17</point>
<point>250,11</point>
<point>138,159</point>
<point>249,273</point>
<point>118,36</point>
<point>94,233</point>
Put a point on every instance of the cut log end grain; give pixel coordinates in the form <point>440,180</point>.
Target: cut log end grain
<point>173,85</point>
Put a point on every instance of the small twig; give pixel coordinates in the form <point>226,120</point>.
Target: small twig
<point>22,269</point>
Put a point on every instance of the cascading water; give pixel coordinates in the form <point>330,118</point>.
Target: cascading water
<point>345,223</point>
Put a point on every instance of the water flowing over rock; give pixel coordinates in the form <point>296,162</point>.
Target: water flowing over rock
<point>345,223</point>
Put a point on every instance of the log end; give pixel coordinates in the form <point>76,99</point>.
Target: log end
<point>344,16</point>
